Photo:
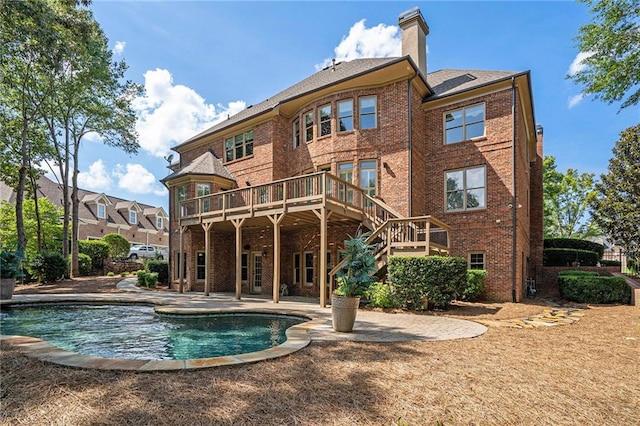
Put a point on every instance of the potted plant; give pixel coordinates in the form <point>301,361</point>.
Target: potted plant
<point>353,280</point>
<point>9,269</point>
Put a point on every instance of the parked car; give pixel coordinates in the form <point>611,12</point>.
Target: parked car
<point>145,252</point>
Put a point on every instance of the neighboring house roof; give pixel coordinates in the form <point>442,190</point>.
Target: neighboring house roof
<point>95,198</point>
<point>128,205</point>
<point>155,211</point>
<point>450,81</point>
<point>206,164</point>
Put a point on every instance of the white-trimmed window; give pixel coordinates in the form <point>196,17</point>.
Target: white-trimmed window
<point>239,146</point>
<point>101,211</point>
<point>308,268</point>
<point>244,269</point>
<point>368,174</point>
<point>203,189</point>
<point>133,217</point>
<point>201,267</point>
<point>159,222</point>
<point>368,112</point>
<point>345,172</point>
<point>181,195</point>
<point>464,124</point>
<point>296,133</point>
<point>476,260</point>
<point>465,189</point>
<point>296,268</point>
<point>345,115</point>
<point>324,120</point>
<point>308,126</point>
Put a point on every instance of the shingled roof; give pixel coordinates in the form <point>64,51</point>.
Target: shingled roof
<point>450,81</point>
<point>206,164</point>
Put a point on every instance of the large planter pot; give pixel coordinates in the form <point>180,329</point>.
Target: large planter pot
<point>6,288</point>
<point>343,312</point>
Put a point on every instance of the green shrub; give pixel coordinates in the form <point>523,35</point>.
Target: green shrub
<point>578,273</point>
<point>605,262</point>
<point>84,264</point>
<point>161,267</point>
<point>594,289</point>
<point>9,264</point>
<point>111,274</point>
<point>151,279</point>
<point>124,274</point>
<point>48,267</point>
<point>435,280</point>
<point>380,295</point>
<point>97,250</point>
<point>475,285</point>
<point>567,257</point>
<point>576,244</point>
<point>142,278</point>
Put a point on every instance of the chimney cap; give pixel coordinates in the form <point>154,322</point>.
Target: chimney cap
<point>413,14</point>
<point>539,129</point>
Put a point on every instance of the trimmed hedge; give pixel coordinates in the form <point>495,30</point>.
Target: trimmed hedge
<point>424,282</point>
<point>578,273</point>
<point>97,250</point>
<point>475,285</point>
<point>574,243</point>
<point>161,267</point>
<point>84,264</point>
<point>605,262</point>
<point>566,257</point>
<point>594,289</point>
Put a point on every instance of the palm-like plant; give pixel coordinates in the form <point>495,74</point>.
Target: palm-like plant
<point>356,276</point>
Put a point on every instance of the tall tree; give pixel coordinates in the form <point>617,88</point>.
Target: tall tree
<point>566,202</point>
<point>612,45</point>
<point>616,207</point>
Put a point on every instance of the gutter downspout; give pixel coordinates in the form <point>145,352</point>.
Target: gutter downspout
<point>410,141</point>
<point>514,207</point>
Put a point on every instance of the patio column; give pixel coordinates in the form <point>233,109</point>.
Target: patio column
<point>276,219</point>
<point>181,270</point>
<point>207,250</point>
<point>237,223</point>
<point>322,273</point>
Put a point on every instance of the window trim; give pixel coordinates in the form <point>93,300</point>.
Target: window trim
<point>341,116</point>
<point>464,124</point>
<point>320,121</point>
<point>484,260</point>
<point>246,141</point>
<point>297,270</point>
<point>375,112</point>
<point>308,126</point>
<point>375,171</point>
<point>296,133</point>
<point>465,189</point>
<point>181,195</point>
<point>198,267</point>
<point>133,215</point>
<point>104,210</point>
<point>159,222</point>
<point>306,268</point>
<point>206,203</point>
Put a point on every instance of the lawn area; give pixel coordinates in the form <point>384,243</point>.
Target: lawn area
<point>584,373</point>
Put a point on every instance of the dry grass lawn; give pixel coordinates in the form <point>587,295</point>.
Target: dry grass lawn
<point>585,373</point>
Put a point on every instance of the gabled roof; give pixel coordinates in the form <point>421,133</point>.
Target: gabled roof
<point>450,81</point>
<point>96,198</point>
<point>206,164</point>
<point>128,205</point>
<point>155,211</point>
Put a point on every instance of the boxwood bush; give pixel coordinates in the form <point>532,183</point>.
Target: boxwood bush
<point>48,267</point>
<point>566,257</point>
<point>161,267</point>
<point>424,282</point>
<point>574,243</point>
<point>142,278</point>
<point>475,285</point>
<point>84,264</point>
<point>584,288</point>
<point>151,279</point>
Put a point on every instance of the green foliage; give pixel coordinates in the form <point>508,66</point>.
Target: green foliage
<point>151,279</point>
<point>111,274</point>
<point>612,45</point>
<point>97,250</point>
<point>475,285</point>
<point>568,257</point>
<point>51,229</point>
<point>605,262</point>
<point>161,267</point>
<point>118,245</point>
<point>356,275</point>
<point>380,295</point>
<point>594,289</point>
<point>616,207</point>
<point>48,267</point>
<point>435,279</point>
<point>578,273</point>
<point>9,264</point>
<point>84,264</point>
<point>566,202</point>
<point>574,243</point>
<point>142,278</point>
<point>124,274</point>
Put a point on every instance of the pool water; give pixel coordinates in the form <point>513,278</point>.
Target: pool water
<point>138,332</point>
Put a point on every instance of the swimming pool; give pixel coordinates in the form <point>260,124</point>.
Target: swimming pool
<point>138,332</point>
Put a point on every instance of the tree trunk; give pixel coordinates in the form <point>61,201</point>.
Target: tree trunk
<point>75,218</point>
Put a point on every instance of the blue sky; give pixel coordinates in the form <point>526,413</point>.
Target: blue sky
<point>203,60</point>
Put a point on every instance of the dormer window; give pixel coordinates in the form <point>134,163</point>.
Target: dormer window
<point>133,217</point>
<point>159,222</point>
<point>101,211</point>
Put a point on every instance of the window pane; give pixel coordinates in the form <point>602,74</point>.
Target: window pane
<point>248,148</point>
<point>346,124</point>
<point>453,119</point>
<point>474,114</point>
<point>308,264</point>
<point>368,176</point>
<point>133,218</point>
<point>200,263</point>
<point>476,198</point>
<point>296,134</point>
<point>453,135</point>
<point>228,148</point>
<point>367,105</point>
<point>345,108</point>
<point>368,121</point>
<point>454,180</point>
<point>475,177</point>
<point>454,200</point>
<point>475,130</point>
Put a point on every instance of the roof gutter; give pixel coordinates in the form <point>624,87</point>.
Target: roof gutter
<point>514,207</point>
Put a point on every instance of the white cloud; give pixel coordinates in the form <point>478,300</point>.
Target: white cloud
<point>169,114</point>
<point>578,65</point>
<point>96,178</point>
<point>137,179</point>
<point>119,47</point>
<point>380,41</point>
<point>575,100</point>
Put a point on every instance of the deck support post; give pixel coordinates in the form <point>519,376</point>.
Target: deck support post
<point>207,255</point>
<point>276,219</point>
<point>322,273</point>
<point>181,262</point>
<point>237,223</point>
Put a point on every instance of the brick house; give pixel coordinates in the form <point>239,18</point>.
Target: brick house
<point>102,214</point>
<point>447,162</point>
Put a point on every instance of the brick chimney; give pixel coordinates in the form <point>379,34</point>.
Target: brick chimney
<point>414,37</point>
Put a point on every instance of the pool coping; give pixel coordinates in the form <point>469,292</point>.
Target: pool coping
<point>297,338</point>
